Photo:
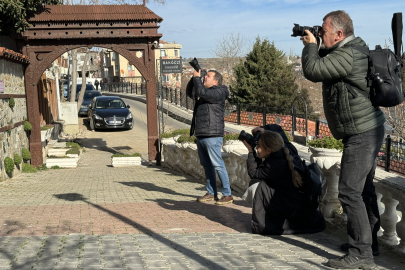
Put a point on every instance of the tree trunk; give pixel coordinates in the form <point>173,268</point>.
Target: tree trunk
<point>83,90</point>
<point>74,76</point>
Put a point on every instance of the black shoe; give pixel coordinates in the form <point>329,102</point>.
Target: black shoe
<point>351,262</point>
<point>345,247</point>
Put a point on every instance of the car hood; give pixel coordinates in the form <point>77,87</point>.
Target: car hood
<point>111,112</point>
<point>86,102</point>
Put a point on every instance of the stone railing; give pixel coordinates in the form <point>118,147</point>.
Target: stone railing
<point>390,187</point>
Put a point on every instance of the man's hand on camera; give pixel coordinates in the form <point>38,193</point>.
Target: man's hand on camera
<point>258,129</point>
<point>249,148</point>
<point>197,73</point>
<point>309,38</point>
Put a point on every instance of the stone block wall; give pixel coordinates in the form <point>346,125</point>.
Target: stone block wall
<point>12,135</point>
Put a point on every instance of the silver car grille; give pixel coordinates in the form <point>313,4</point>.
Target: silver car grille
<point>114,120</point>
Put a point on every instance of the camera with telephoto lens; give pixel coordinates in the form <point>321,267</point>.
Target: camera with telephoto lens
<point>299,31</point>
<point>251,140</point>
<point>196,66</point>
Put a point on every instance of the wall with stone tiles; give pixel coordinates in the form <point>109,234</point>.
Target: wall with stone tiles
<point>12,74</point>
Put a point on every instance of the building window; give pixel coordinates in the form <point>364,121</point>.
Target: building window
<point>177,77</point>
<point>176,53</point>
<point>113,55</point>
<point>162,53</point>
<point>117,69</point>
<point>165,78</point>
<point>130,68</point>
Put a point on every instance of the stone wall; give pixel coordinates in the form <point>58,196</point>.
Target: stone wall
<point>14,138</point>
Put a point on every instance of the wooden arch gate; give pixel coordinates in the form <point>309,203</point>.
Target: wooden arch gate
<point>130,30</point>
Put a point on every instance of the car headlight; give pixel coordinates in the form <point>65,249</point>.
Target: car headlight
<point>98,117</point>
<point>129,116</point>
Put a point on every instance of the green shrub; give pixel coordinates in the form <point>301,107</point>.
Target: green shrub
<point>326,142</point>
<point>165,135</point>
<point>11,102</point>
<point>231,136</point>
<point>58,157</point>
<point>9,165</point>
<point>27,126</point>
<point>17,159</point>
<point>187,138</point>
<point>181,132</point>
<point>55,167</point>
<point>73,145</point>
<point>28,168</point>
<point>289,136</point>
<point>9,131</point>
<point>126,155</point>
<point>26,155</point>
<point>46,127</point>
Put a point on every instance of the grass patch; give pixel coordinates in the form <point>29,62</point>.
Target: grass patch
<point>58,157</point>
<point>166,135</point>
<point>73,145</point>
<point>56,167</point>
<point>181,132</point>
<point>73,151</point>
<point>46,127</point>
<point>28,168</point>
<point>231,136</point>
<point>187,138</point>
<point>126,155</point>
<point>42,168</point>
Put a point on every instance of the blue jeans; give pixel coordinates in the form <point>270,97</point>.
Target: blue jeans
<point>357,192</point>
<point>209,152</point>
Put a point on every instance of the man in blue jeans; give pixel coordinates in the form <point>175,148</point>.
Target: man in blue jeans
<point>208,126</point>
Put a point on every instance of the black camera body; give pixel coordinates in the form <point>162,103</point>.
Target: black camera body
<point>299,31</point>
<point>196,66</point>
<point>252,140</point>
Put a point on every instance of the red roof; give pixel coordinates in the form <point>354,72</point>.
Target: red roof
<point>13,56</point>
<point>95,13</point>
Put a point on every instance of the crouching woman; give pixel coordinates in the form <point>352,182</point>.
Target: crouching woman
<point>278,202</point>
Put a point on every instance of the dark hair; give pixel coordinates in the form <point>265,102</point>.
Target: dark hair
<point>340,20</point>
<point>217,76</point>
<point>273,141</point>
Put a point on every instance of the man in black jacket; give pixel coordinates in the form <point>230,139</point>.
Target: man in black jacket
<point>208,126</point>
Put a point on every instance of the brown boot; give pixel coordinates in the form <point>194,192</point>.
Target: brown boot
<point>225,200</point>
<point>207,197</point>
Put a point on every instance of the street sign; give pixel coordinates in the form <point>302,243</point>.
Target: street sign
<point>170,66</point>
<point>1,87</point>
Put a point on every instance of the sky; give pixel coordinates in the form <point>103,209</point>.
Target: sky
<point>199,25</point>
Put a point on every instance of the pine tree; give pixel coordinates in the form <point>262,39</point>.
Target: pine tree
<point>265,78</point>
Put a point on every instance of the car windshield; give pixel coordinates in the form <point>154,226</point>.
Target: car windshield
<point>91,95</point>
<point>110,104</point>
<point>88,87</point>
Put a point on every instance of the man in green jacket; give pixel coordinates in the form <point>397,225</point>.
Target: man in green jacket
<point>351,117</point>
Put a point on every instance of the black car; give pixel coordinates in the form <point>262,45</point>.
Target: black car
<point>87,98</point>
<point>89,87</point>
<point>109,112</point>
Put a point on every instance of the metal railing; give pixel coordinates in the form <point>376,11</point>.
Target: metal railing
<point>392,159</point>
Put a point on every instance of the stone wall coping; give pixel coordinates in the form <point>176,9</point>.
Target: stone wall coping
<point>13,56</point>
<point>5,128</point>
<point>3,96</point>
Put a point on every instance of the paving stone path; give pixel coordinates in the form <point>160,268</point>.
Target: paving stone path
<point>143,217</point>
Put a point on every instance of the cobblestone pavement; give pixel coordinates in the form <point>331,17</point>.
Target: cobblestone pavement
<point>142,217</point>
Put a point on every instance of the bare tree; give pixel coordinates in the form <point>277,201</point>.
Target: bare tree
<point>74,76</point>
<point>395,118</point>
<point>230,48</point>
<point>83,90</point>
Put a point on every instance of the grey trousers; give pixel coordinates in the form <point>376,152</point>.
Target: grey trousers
<point>357,192</point>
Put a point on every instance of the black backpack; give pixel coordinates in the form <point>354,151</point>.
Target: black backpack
<point>314,185</point>
<point>384,77</point>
